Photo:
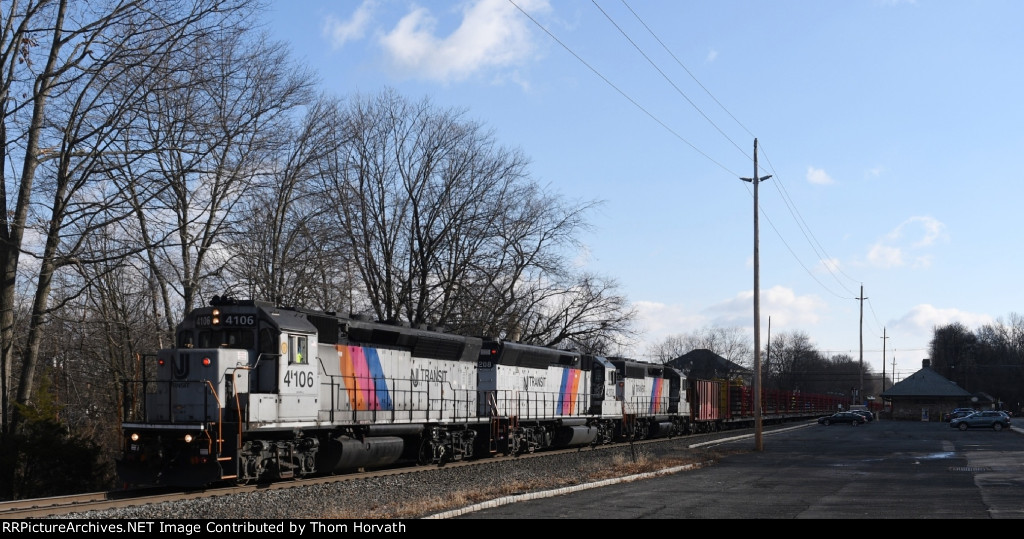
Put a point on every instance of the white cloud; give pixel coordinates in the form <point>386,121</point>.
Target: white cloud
<point>932,229</point>
<point>712,56</point>
<point>898,246</point>
<point>926,317</point>
<point>582,257</point>
<point>340,32</point>
<point>885,256</point>
<point>917,327</point>
<point>660,320</point>
<point>818,176</point>
<point>492,33</point>
<point>778,302</point>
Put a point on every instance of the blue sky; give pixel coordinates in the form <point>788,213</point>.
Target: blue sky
<point>892,131</point>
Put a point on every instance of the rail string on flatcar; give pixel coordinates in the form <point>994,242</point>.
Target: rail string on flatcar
<point>253,392</point>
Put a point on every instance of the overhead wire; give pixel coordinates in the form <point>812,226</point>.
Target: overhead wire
<point>619,90</point>
<point>819,250</point>
<point>806,229</point>
<point>666,77</point>
<point>801,224</point>
<point>687,70</point>
<point>779,184</point>
<point>790,249</point>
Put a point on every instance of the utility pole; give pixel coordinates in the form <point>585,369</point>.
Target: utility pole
<point>860,392</point>
<point>883,359</point>
<point>758,436</point>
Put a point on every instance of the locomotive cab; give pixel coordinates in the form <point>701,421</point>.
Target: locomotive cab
<point>237,366</point>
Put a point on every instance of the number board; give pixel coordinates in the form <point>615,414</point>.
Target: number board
<point>236,320</point>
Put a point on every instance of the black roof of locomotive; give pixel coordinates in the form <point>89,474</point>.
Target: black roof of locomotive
<point>528,355</point>
<point>631,368</point>
<point>334,329</point>
<point>288,320</point>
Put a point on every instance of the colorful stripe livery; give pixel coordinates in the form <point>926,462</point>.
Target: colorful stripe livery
<point>655,397</point>
<point>568,391</point>
<point>364,378</point>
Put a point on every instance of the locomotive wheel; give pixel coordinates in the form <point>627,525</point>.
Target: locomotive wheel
<point>426,453</point>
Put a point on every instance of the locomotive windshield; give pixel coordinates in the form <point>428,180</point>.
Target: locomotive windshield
<point>217,338</point>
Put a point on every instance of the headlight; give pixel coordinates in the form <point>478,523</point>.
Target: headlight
<point>188,438</point>
<point>135,436</point>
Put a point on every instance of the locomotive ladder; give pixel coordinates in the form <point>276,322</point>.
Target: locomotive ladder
<point>496,431</point>
<point>229,462</point>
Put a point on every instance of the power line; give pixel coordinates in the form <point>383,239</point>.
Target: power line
<point>797,258</point>
<point>812,240</point>
<point>790,205</point>
<point>621,92</point>
<point>815,244</point>
<point>658,69</point>
<point>674,57</point>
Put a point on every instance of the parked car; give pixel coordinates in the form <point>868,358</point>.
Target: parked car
<point>959,412</point>
<point>989,419</point>
<point>842,417</point>
<point>867,415</point>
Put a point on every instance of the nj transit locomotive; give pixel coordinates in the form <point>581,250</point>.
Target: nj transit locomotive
<point>252,392</point>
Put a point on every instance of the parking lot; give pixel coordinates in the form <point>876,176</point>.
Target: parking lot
<point>882,469</point>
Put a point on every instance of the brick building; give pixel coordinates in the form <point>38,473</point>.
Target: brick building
<point>926,396</point>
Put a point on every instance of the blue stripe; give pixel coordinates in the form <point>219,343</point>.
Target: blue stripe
<point>380,384</point>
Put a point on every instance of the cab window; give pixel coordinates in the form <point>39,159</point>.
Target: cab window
<point>186,339</point>
<point>297,353</point>
<point>268,341</point>
<point>226,338</point>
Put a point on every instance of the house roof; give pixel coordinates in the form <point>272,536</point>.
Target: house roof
<point>926,383</point>
<point>704,363</point>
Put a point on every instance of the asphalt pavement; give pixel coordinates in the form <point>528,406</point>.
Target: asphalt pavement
<point>880,470</point>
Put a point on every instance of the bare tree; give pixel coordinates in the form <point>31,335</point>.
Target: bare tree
<point>732,343</point>
<point>792,355</point>
<point>64,102</point>
<point>287,251</point>
<point>221,133</point>
<point>950,350</point>
<point>446,228</point>
<point>407,181</point>
<point>585,314</point>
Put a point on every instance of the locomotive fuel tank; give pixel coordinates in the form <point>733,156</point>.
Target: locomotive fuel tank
<point>575,435</point>
<point>345,453</point>
<point>661,429</point>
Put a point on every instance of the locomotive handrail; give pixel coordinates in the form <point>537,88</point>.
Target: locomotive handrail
<point>220,422</point>
<point>535,404</point>
<point>362,396</point>
<point>467,413</point>
<point>238,402</point>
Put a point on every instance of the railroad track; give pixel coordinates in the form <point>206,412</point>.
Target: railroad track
<point>80,503</point>
<point>96,501</point>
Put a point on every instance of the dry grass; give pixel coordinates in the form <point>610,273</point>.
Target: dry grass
<point>621,466</point>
